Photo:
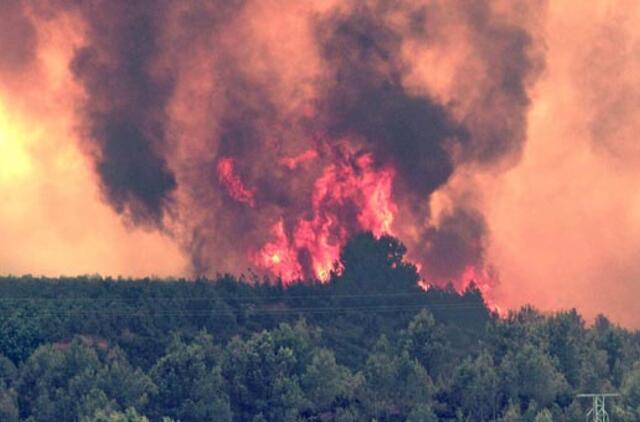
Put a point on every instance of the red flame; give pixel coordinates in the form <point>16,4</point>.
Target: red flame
<point>232,183</point>
<point>293,162</point>
<point>279,256</point>
<point>349,196</point>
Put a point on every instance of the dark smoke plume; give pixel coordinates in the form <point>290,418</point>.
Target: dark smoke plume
<point>367,99</point>
<point>185,104</point>
<point>511,61</point>
<point>125,108</point>
<point>457,243</point>
<point>416,133</point>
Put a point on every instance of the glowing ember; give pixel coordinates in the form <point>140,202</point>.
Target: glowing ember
<point>232,183</point>
<point>279,257</point>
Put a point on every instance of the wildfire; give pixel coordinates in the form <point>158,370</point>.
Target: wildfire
<point>279,256</point>
<point>258,148</point>
<point>293,162</point>
<point>349,196</point>
<point>232,182</point>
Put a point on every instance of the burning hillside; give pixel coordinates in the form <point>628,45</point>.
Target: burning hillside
<point>254,153</point>
<point>201,137</point>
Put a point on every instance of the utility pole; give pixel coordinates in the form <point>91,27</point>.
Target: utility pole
<point>598,412</point>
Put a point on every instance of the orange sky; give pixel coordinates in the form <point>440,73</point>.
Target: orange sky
<point>52,219</point>
<point>564,221</point>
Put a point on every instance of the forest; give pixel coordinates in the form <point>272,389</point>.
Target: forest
<point>370,344</point>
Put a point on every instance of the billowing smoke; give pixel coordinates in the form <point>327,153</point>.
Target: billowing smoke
<point>422,137</point>
<point>264,134</point>
<point>125,109</point>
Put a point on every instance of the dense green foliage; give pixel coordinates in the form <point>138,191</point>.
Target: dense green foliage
<point>368,345</point>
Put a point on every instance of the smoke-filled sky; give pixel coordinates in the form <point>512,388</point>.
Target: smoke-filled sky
<point>495,139</point>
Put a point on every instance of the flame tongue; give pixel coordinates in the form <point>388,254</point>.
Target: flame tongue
<point>349,196</point>
<point>232,182</point>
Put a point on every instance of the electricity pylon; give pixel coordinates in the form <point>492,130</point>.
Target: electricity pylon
<point>598,412</point>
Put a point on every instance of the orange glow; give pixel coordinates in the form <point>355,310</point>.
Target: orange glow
<point>563,213</point>
<point>15,162</point>
<point>52,218</point>
<point>279,257</point>
<point>572,205</point>
<point>353,186</point>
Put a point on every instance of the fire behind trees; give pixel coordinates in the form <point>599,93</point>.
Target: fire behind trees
<point>370,343</point>
<point>211,120</point>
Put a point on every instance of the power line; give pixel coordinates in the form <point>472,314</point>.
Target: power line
<point>255,310</point>
<point>214,297</point>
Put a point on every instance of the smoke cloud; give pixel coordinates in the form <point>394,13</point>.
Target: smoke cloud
<point>207,124</point>
<point>125,105</point>
<point>263,134</point>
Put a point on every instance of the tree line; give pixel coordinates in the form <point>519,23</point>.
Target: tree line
<point>368,345</point>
